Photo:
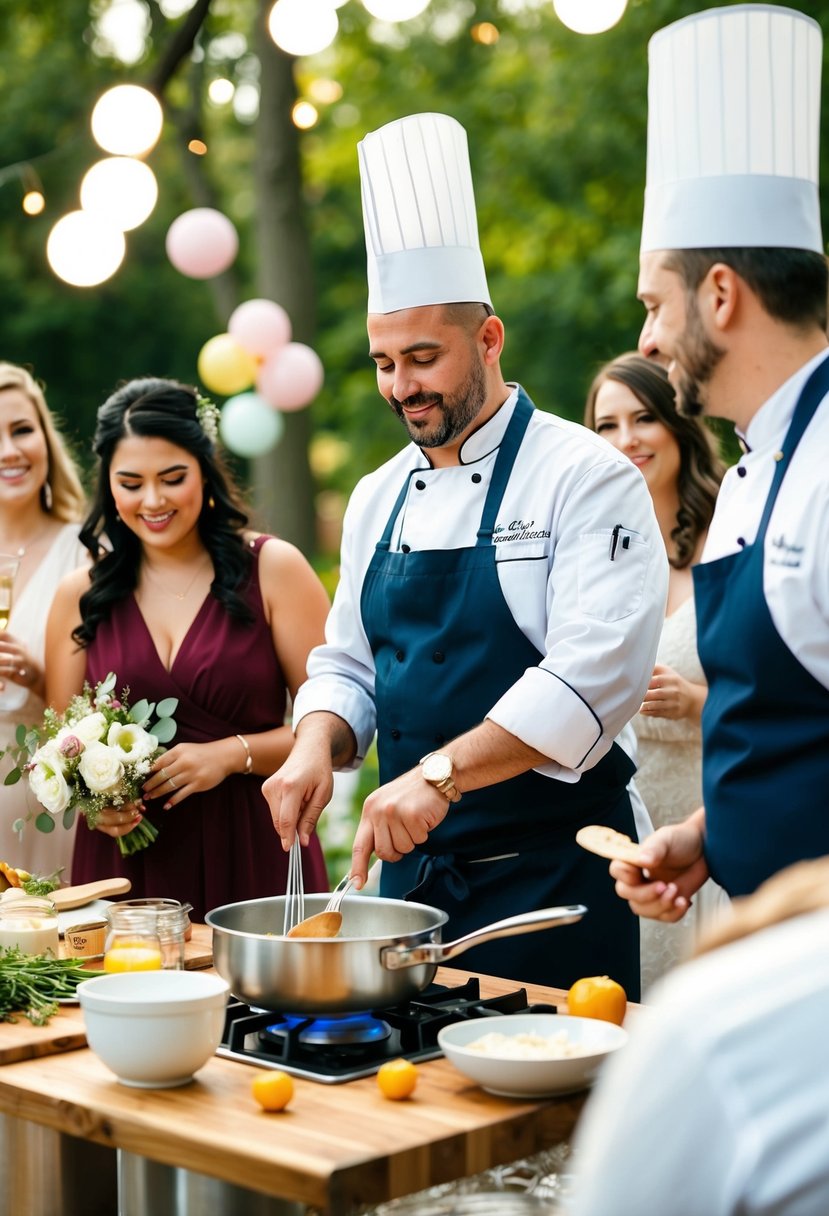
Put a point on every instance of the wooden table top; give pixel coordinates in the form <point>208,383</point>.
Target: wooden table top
<point>334,1147</point>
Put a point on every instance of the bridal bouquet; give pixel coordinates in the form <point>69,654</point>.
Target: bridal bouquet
<point>95,755</point>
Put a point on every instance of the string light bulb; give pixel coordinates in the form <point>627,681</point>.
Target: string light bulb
<point>33,202</point>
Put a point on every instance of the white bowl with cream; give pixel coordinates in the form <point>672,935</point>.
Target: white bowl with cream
<point>531,1055</point>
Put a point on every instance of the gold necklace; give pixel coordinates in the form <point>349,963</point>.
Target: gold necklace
<point>179,595</point>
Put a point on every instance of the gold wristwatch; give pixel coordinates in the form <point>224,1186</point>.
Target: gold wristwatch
<point>437,768</point>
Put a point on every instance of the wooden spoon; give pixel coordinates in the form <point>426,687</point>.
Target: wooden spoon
<point>75,897</point>
<point>321,924</point>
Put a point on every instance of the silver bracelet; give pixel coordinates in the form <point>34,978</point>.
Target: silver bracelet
<point>248,757</point>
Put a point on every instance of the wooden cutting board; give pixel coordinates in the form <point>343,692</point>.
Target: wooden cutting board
<point>66,1031</point>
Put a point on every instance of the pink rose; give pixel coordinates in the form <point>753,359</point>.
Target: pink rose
<point>71,747</point>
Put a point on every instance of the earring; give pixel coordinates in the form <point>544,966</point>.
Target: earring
<point>211,502</point>
<point>47,496</point>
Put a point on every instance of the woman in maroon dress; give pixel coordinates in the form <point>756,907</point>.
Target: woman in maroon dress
<point>186,603</point>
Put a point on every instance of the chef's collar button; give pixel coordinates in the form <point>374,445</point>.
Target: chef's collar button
<point>399,655</point>
<point>741,472</point>
<point>741,542</point>
<point>406,548</point>
<point>476,477</point>
<point>395,734</point>
<point>420,485</point>
<point>438,656</point>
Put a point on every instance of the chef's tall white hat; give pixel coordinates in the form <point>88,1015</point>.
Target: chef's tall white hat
<point>733,131</point>
<point>419,215</point>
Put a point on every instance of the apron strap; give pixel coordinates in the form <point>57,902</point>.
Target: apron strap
<point>385,540</point>
<point>815,389</point>
<point>504,463</point>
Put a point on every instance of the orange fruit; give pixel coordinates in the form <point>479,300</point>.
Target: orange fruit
<point>397,1079</point>
<point>597,996</point>
<point>273,1090</point>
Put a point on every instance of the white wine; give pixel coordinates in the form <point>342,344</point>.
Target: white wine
<point>6,585</point>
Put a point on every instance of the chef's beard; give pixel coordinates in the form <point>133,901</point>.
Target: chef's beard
<point>696,359</point>
<point>458,411</point>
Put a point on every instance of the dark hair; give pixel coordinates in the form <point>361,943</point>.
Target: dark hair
<point>700,467</point>
<point>791,284</point>
<point>162,409</point>
<point>467,316</point>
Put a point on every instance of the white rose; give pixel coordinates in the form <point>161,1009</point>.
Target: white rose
<point>48,783</point>
<point>89,729</point>
<point>101,768</point>
<point>51,755</point>
<point>131,741</point>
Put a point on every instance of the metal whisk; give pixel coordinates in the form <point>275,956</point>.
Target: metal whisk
<point>295,889</point>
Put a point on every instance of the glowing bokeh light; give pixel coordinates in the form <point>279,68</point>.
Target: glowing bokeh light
<point>396,10</point>
<point>127,120</point>
<point>304,115</point>
<point>303,27</point>
<point>198,147</point>
<point>221,90</point>
<point>485,32</point>
<point>33,202</point>
<point>84,250</point>
<point>589,16</point>
<point>120,190</point>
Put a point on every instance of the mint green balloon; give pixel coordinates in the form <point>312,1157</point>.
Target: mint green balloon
<point>248,426</point>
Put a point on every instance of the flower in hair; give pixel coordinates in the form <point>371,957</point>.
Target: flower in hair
<point>207,413</point>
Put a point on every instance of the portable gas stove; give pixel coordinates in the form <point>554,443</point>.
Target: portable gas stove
<point>336,1049</point>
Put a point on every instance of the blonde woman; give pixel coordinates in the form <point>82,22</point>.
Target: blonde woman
<point>41,504</point>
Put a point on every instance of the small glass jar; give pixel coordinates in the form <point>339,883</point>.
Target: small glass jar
<point>132,942</point>
<point>173,923</point>
<point>30,925</point>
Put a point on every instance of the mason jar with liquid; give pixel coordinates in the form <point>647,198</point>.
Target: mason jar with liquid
<point>132,941</point>
<point>173,924</point>
<point>30,925</point>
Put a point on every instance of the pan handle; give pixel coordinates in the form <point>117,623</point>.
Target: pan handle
<point>393,958</point>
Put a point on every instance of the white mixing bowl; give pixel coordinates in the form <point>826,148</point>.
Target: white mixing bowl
<point>154,1029</point>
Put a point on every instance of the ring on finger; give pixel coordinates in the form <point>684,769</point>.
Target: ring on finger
<point>164,774</point>
<point>172,783</point>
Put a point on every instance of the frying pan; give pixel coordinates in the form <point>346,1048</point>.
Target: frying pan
<point>387,952</point>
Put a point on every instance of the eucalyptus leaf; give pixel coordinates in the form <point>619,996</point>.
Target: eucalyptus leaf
<point>140,711</point>
<point>164,730</point>
<point>18,825</point>
<point>108,684</point>
<point>20,735</point>
<point>13,777</point>
<point>69,817</point>
<point>45,822</point>
<point>167,707</point>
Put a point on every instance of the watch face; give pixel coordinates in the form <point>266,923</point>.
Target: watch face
<point>437,767</point>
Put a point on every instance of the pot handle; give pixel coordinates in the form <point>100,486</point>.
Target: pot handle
<point>393,958</point>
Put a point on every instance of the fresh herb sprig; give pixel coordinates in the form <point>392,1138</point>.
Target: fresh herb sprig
<point>32,984</point>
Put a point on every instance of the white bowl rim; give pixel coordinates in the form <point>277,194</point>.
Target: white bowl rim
<point>101,994</point>
<point>546,1023</point>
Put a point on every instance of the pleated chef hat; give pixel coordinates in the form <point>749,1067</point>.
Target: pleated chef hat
<point>419,215</point>
<point>733,131</point>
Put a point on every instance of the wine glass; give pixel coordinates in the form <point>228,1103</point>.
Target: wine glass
<point>13,695</point>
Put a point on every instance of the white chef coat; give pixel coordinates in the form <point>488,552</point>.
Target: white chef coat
<point>796,556</point>
<point>595,621</point>
<point>719,1103</point>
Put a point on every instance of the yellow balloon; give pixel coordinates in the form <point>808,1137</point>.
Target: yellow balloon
<point>225,367</point>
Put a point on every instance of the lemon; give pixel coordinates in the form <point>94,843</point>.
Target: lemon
<point>273,1090</point>
<point>397,1079</point>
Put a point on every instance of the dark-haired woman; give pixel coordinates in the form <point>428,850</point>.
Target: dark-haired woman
<point>186,603</point>
<point>631,404</point>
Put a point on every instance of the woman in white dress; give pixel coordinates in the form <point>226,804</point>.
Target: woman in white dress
<point>41,504</point>
<point>632,405</point>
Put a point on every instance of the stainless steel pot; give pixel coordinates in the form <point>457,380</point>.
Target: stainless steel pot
<point>387,952</point>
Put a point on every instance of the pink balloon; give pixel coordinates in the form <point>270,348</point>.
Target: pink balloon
<point>291,378</point>
<point>260,327</point>
<point>202,243</point>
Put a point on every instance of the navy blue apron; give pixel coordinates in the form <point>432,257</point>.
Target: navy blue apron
<point>446,648</point>
<point>765,724</point>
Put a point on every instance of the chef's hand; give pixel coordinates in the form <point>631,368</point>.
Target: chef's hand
<point>675,869</point>
<point>395,818</point>
<point>120,821</point>
<point>191,768</point>
<point>301,789</point>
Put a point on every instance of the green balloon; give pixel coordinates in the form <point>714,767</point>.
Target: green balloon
<point>248,426</point>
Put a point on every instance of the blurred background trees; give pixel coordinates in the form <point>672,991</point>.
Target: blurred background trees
<point>556,124</point>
